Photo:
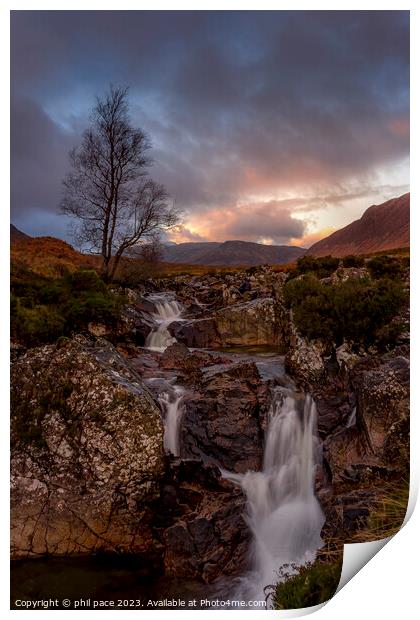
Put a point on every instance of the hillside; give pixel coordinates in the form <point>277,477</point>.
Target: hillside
<point>381,227</point>
<point>231,253</point>
<point>17,235</point>
<point>49,256</point>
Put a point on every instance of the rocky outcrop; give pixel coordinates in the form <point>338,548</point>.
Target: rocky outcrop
<point>383,406</point>
<point>87,452</point>
<point>135,319</point>
<point>382,391</point>
<point>203,294</point>
<point>342,274</point>
<point>250,323</point>
<point>371,451</point>
<point>223,419</point>
<point>209,536</point>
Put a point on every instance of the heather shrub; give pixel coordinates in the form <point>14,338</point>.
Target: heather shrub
<point>313,584</point>
<point>320,267</point>
<point>42,310</point>
<point>353,261</point>
<point>354,310</point>
<point>384,266</point>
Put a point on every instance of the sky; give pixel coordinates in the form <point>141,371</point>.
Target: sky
<point>273,127</point>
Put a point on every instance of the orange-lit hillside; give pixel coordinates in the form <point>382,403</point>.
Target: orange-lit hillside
<point>50,257</point>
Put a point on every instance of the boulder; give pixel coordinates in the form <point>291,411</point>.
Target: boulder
<point>188,363</point>
<point>87,452</point>
<point>383,405</point>
<point>200,333</point>
<point>223,420</point>
<point>304,360</point>
<point>249,323</point>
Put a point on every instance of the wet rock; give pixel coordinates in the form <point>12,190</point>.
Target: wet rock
<point>332,413</point>
<point>87,452</point>
<point>363,459</point>
<point>134,326</point>
<point>188,363</point>
<point>181,558</point>
<point>344,449</point>
<point>205,474</point>
<point>222,421</point>
<point>200,333</point>
<point>211,537</point>
<point>174,356</point>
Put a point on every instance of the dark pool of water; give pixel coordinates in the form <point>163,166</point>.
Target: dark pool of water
<point>251,350</point>
<point>82,581</point>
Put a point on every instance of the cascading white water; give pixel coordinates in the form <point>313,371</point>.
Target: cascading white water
<point>352,418</point>
<point>283,512</point>
<point>172,404</point>
<point>167,311</point>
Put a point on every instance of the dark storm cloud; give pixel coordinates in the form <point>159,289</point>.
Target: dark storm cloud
<point>238,105</point>
<point>38,157</point>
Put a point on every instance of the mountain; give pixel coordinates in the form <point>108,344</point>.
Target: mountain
<point>381,227</point>
<point>231,253</point>
<point>17,235</point>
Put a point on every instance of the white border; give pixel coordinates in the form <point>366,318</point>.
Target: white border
<point>387,586</point>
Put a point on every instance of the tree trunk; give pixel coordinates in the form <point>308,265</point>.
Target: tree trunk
<point>115,264</point>
<point>105,269</point>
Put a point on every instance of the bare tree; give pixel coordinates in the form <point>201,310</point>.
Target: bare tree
<point>114,203</point>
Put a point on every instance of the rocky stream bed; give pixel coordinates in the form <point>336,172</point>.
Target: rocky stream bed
<point>196,449</point>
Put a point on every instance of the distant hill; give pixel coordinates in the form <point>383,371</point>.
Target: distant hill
<point>231,253</point>
<point>17,235</point>
<point>381,227</point>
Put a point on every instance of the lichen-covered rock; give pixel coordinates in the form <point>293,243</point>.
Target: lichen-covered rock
<point>87,452</point>
<point>383,395</point>
<point>249,323</point>
<point>379,440</point>
<point>304,359</point>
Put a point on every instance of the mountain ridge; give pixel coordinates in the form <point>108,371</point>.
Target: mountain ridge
<point>231,253</point>
<point>382,227</point>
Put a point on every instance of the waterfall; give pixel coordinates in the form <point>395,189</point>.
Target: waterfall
<point>167,311</point>
<point>352,418</point>
<point>283,513</point>
<point>172,405</point>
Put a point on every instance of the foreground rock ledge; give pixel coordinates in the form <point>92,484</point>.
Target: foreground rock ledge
<point>87,452</point>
